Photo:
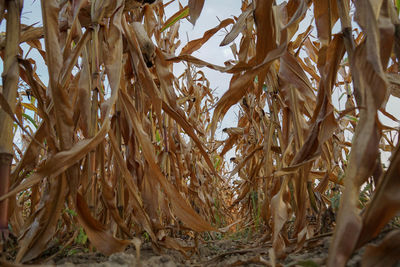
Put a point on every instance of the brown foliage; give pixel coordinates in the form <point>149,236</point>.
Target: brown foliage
<point>122,147</point>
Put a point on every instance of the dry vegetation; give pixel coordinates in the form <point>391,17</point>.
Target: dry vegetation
<point>117,150</point>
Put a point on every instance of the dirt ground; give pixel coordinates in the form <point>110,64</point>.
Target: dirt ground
<point>226,252</point>
<point>229,251</point>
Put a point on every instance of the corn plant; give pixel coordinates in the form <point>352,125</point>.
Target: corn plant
<point>115,147</point>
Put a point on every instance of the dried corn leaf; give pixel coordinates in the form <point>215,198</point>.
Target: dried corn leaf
<point>96,232</point>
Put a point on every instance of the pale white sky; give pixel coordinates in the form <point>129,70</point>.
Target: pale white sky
<point>213,12</point>
<point>210,52</point>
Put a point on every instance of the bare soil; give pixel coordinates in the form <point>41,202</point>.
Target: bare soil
<point>226,252</point>
<point>229,251</point>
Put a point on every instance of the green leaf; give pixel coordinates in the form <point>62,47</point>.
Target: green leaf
<point>82,237</point>
<point>180,15</point>
<point>398,6</point>
<point>72,252</point>
<point>341,96</point>
<point>29,118</point>
<point>146,236</point>
<point>352,118</point>
<point>158,138</point>
<point>265,88</point>
<point>71,212</point>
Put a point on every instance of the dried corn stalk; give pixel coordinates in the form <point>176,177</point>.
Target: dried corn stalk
<point>118,147</point>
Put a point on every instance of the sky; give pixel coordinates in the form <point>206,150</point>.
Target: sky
<point>213,12</point>
<point>213,53</point>
<point>210,52</point>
